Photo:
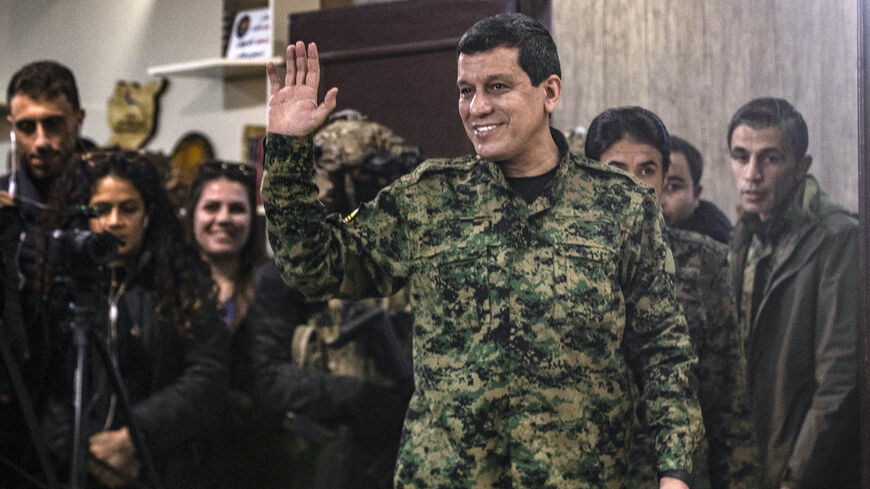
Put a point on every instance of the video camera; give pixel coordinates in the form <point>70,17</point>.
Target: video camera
<point>81,249</point>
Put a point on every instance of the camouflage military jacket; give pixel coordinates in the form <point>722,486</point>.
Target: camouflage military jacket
<point>728,456</point>
<point>529,319</point>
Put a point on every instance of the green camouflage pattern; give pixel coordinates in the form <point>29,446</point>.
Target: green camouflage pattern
<point>728,456</point>
<point>343,143</point>
<point>530,320</point>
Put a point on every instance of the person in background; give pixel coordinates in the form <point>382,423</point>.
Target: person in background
<point>342,378</point>
<point>157,318</point>
<point>46,118</point>
<point>539,281</point>
<point>794,266</point>
<point>221,219</point>
<point>635,140</point>
<point>681,200</point>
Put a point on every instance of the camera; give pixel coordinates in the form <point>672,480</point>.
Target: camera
<point>78,253</point>
<point>81,249</point>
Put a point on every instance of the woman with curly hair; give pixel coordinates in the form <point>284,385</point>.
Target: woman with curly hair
<point>157,318</point>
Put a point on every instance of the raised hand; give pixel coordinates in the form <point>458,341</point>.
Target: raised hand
<point>293,108</point>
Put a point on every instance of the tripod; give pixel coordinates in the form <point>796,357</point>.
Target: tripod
<point>14,345</point>
<point>85,304</point>
<point>82,337</point>
<point>77,256</point>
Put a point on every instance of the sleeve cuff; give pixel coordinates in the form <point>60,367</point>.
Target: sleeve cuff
<point>678,474</point>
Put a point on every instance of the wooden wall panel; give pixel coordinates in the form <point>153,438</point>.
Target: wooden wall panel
<point>694,62</point>
<point>583,75</point>
<point>625,58</point>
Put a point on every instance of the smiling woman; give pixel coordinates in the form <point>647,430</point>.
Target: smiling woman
<point>220,217</point>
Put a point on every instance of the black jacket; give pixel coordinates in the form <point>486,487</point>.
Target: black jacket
<point>708,219</point>
<point>316,400</point>
<point>177,384</point>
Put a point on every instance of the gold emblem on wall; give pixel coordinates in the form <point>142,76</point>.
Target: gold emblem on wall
<point>132,113</point>
<point>190,151</point>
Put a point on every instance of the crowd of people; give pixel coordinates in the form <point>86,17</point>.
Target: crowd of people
<point>547,312</point>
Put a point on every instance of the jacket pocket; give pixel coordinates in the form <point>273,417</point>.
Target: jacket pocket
<point>587,299</point>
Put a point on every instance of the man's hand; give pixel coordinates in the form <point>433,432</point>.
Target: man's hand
<point>671,483</point>
<point>293,109</point>
<point>115,449</point>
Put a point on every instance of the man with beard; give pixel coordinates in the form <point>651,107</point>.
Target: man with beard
<point>45,116</point>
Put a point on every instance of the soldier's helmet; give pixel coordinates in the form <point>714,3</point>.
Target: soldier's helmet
<point>356,157</point>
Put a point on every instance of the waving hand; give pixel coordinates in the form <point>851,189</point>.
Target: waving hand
<point>293,108</point>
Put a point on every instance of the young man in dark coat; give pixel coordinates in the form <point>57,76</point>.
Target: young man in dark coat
<point>794,266</point>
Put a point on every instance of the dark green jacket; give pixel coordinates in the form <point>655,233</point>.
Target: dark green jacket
<point>529,319</point>
<point>802,341</point>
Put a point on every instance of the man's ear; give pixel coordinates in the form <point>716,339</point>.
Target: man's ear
<point>553,91</point>
<point>80,118</point>
<point>804,164</point>
<point>697,191</point>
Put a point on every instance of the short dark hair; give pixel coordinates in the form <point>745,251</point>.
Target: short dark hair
<point>693,157</point>
<point>44,79</point>
<point>767,112</point>
<point>538,55</point>
<point>638,123</point>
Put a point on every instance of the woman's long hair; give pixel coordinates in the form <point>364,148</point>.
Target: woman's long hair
<point>252,253</point>
<point>178,275</point>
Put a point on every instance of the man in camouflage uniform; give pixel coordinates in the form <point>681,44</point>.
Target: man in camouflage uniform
<point>635,140</point>
<point>540,281</point>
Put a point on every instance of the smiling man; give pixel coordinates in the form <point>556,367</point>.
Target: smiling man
<point>794,266</point>
<point>540,281</point>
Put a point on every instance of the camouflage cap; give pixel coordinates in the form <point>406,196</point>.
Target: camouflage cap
<point>344,143</point>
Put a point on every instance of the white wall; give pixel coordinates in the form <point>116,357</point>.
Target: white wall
<point>103,41</point>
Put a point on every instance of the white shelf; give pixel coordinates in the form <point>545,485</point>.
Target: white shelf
<point>216,68</point>
<point>222,68</point>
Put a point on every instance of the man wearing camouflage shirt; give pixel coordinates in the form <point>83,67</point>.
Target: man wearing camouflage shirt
<point>635,140</point>
<point>540,281</point>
